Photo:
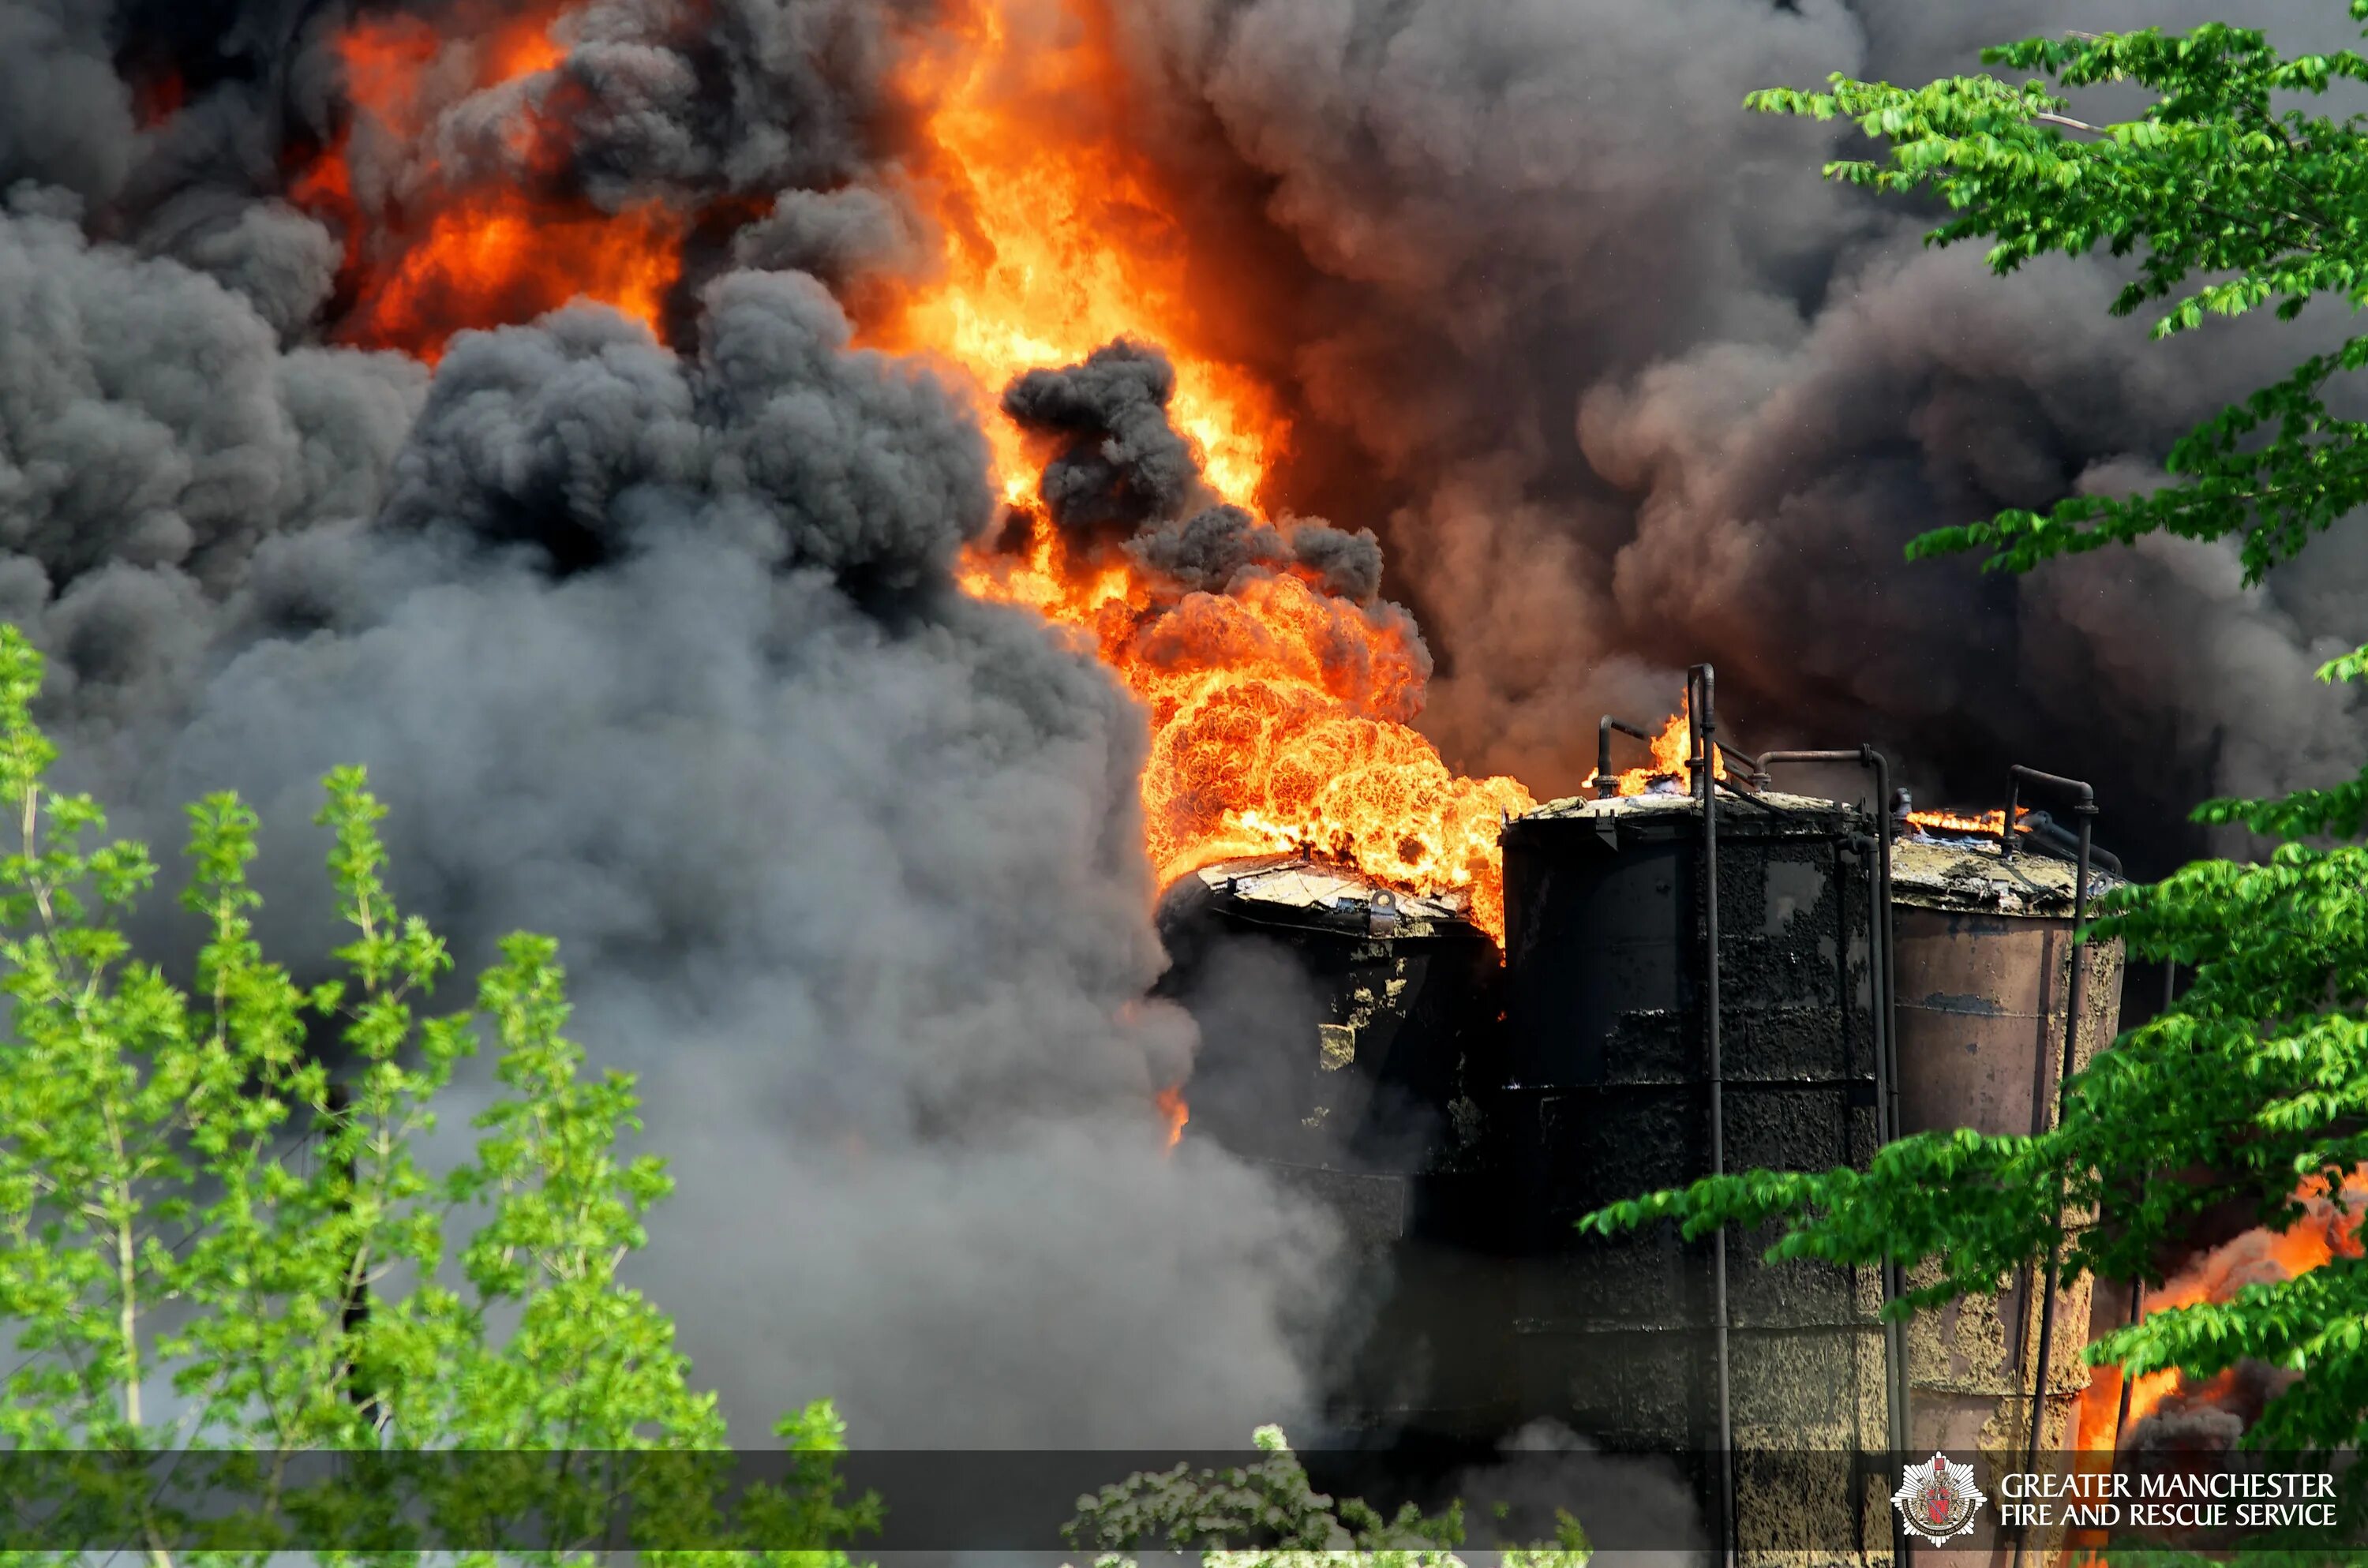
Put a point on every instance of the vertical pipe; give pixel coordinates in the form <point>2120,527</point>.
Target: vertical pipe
<point>1887,1065</point>
<point>1700,706</point>
<point>2137,1283</point>
<point>1880,948</point>
<point>2137,1311</point>
<point>2075,997</point>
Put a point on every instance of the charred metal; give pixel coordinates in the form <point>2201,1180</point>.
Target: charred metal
<point>1712,975</point>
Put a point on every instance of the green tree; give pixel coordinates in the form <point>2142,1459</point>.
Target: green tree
<point>2231,196</point>
<point>217,1265</point>
<point>1214,1512</point>
<point>236,1321</point>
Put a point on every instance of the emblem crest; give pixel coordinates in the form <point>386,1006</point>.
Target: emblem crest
<point>1938,1500</point>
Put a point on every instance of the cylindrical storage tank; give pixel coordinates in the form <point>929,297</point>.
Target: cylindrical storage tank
<point>1984,970</point>
<point>1606,1095</point>
<point>1343,1027</point>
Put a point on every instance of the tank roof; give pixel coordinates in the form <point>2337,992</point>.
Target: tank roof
<point>1677,802</point>
<point>1765,813</point>
<point>1970,874</point>
<point>1299,885</point>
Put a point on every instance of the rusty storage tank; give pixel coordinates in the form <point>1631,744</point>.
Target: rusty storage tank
<point>1984,971</point>
<point>1607,1096</point>
<point>1343,1026</point>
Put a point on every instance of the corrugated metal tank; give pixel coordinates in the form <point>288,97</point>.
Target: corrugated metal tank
<point>1344,1027</point>
<point>1606,1096</point>
<point>1983,969</point>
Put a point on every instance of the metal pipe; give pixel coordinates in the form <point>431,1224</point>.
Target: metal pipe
<point>1887,1064</point>
<point>1754,771</point>
<point>1700,707</point>
<point>2043,833</point>
<point>1880,942</point>
<point>1606,786</point>
<point>2075,999</point>
<point>2019,776</point>
<point>2137,1282</point>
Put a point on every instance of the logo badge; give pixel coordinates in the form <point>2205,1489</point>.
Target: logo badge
<point>1938,1501</point>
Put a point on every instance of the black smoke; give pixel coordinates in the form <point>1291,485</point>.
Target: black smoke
<point>1624,385</point>
<point>653,644</point>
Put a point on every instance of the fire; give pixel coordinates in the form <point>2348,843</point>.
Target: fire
<point>1057,240</point>
<point>1280,713</point>
<point>1281,710</point>
<point>435,252</point>
<point>2325,1233</point>
<point>1174,1113</point>
<point>1989,824</point>
<point>1672,753</point>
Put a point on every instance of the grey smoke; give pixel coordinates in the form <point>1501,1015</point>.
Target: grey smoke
<point>65,116</point>
<point>1623,385</point>
<point>1119,462</point>
<point>844,237</point>
<point>1119,472</point>
<point>1209,552</point>
<point>657,648</point>
<point>283,262</point>
<point>658,651</point>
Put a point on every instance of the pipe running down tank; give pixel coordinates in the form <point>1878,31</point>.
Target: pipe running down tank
<point>1609,1092</point>
<point>1984,972</point>
<point>1719,978</point>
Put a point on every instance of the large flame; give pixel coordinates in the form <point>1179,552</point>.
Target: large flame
<point>1280,714</point>
<point>429,250</point>
<point>1672,763</point>
<point>2330,1230</point>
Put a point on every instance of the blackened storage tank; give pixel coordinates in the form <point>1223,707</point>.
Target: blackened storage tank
<point>1606,1095</point>
<point>1344,1027</point>
<point>1984,956</point>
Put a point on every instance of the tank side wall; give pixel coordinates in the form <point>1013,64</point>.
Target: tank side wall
<point>1982,1008</point>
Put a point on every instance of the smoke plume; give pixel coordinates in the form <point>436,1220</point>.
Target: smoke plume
<point>646,625</point>
<point>1642,390</point>
<point>657,650</point>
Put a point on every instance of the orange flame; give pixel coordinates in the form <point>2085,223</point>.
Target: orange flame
<point>442,253</point>
<point>1987,823</point>
<point>1280,713</point>
<point>1175,1112</point>
<point>1672,759</point>
<point>2326,1232</point>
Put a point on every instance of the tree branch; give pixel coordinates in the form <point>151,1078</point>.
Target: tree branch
<point>2069,123</point>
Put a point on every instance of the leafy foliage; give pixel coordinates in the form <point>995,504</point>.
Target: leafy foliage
<point>1272,1503</point>
<point>216,1263</point>
<point>2255,1085</point>
<point>2214,181</point>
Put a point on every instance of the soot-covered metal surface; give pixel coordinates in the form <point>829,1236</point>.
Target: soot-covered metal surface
<point>1346,1028</point>
<point>1606,1095</point>
<point>1336,1013</point>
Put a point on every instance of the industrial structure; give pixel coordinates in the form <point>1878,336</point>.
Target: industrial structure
<point>1712,975</point>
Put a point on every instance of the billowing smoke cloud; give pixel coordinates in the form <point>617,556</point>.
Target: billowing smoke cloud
<point>1120,475</point>
<point>1642,390</point>
<point>658,651</point>
<point>655,647</point>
